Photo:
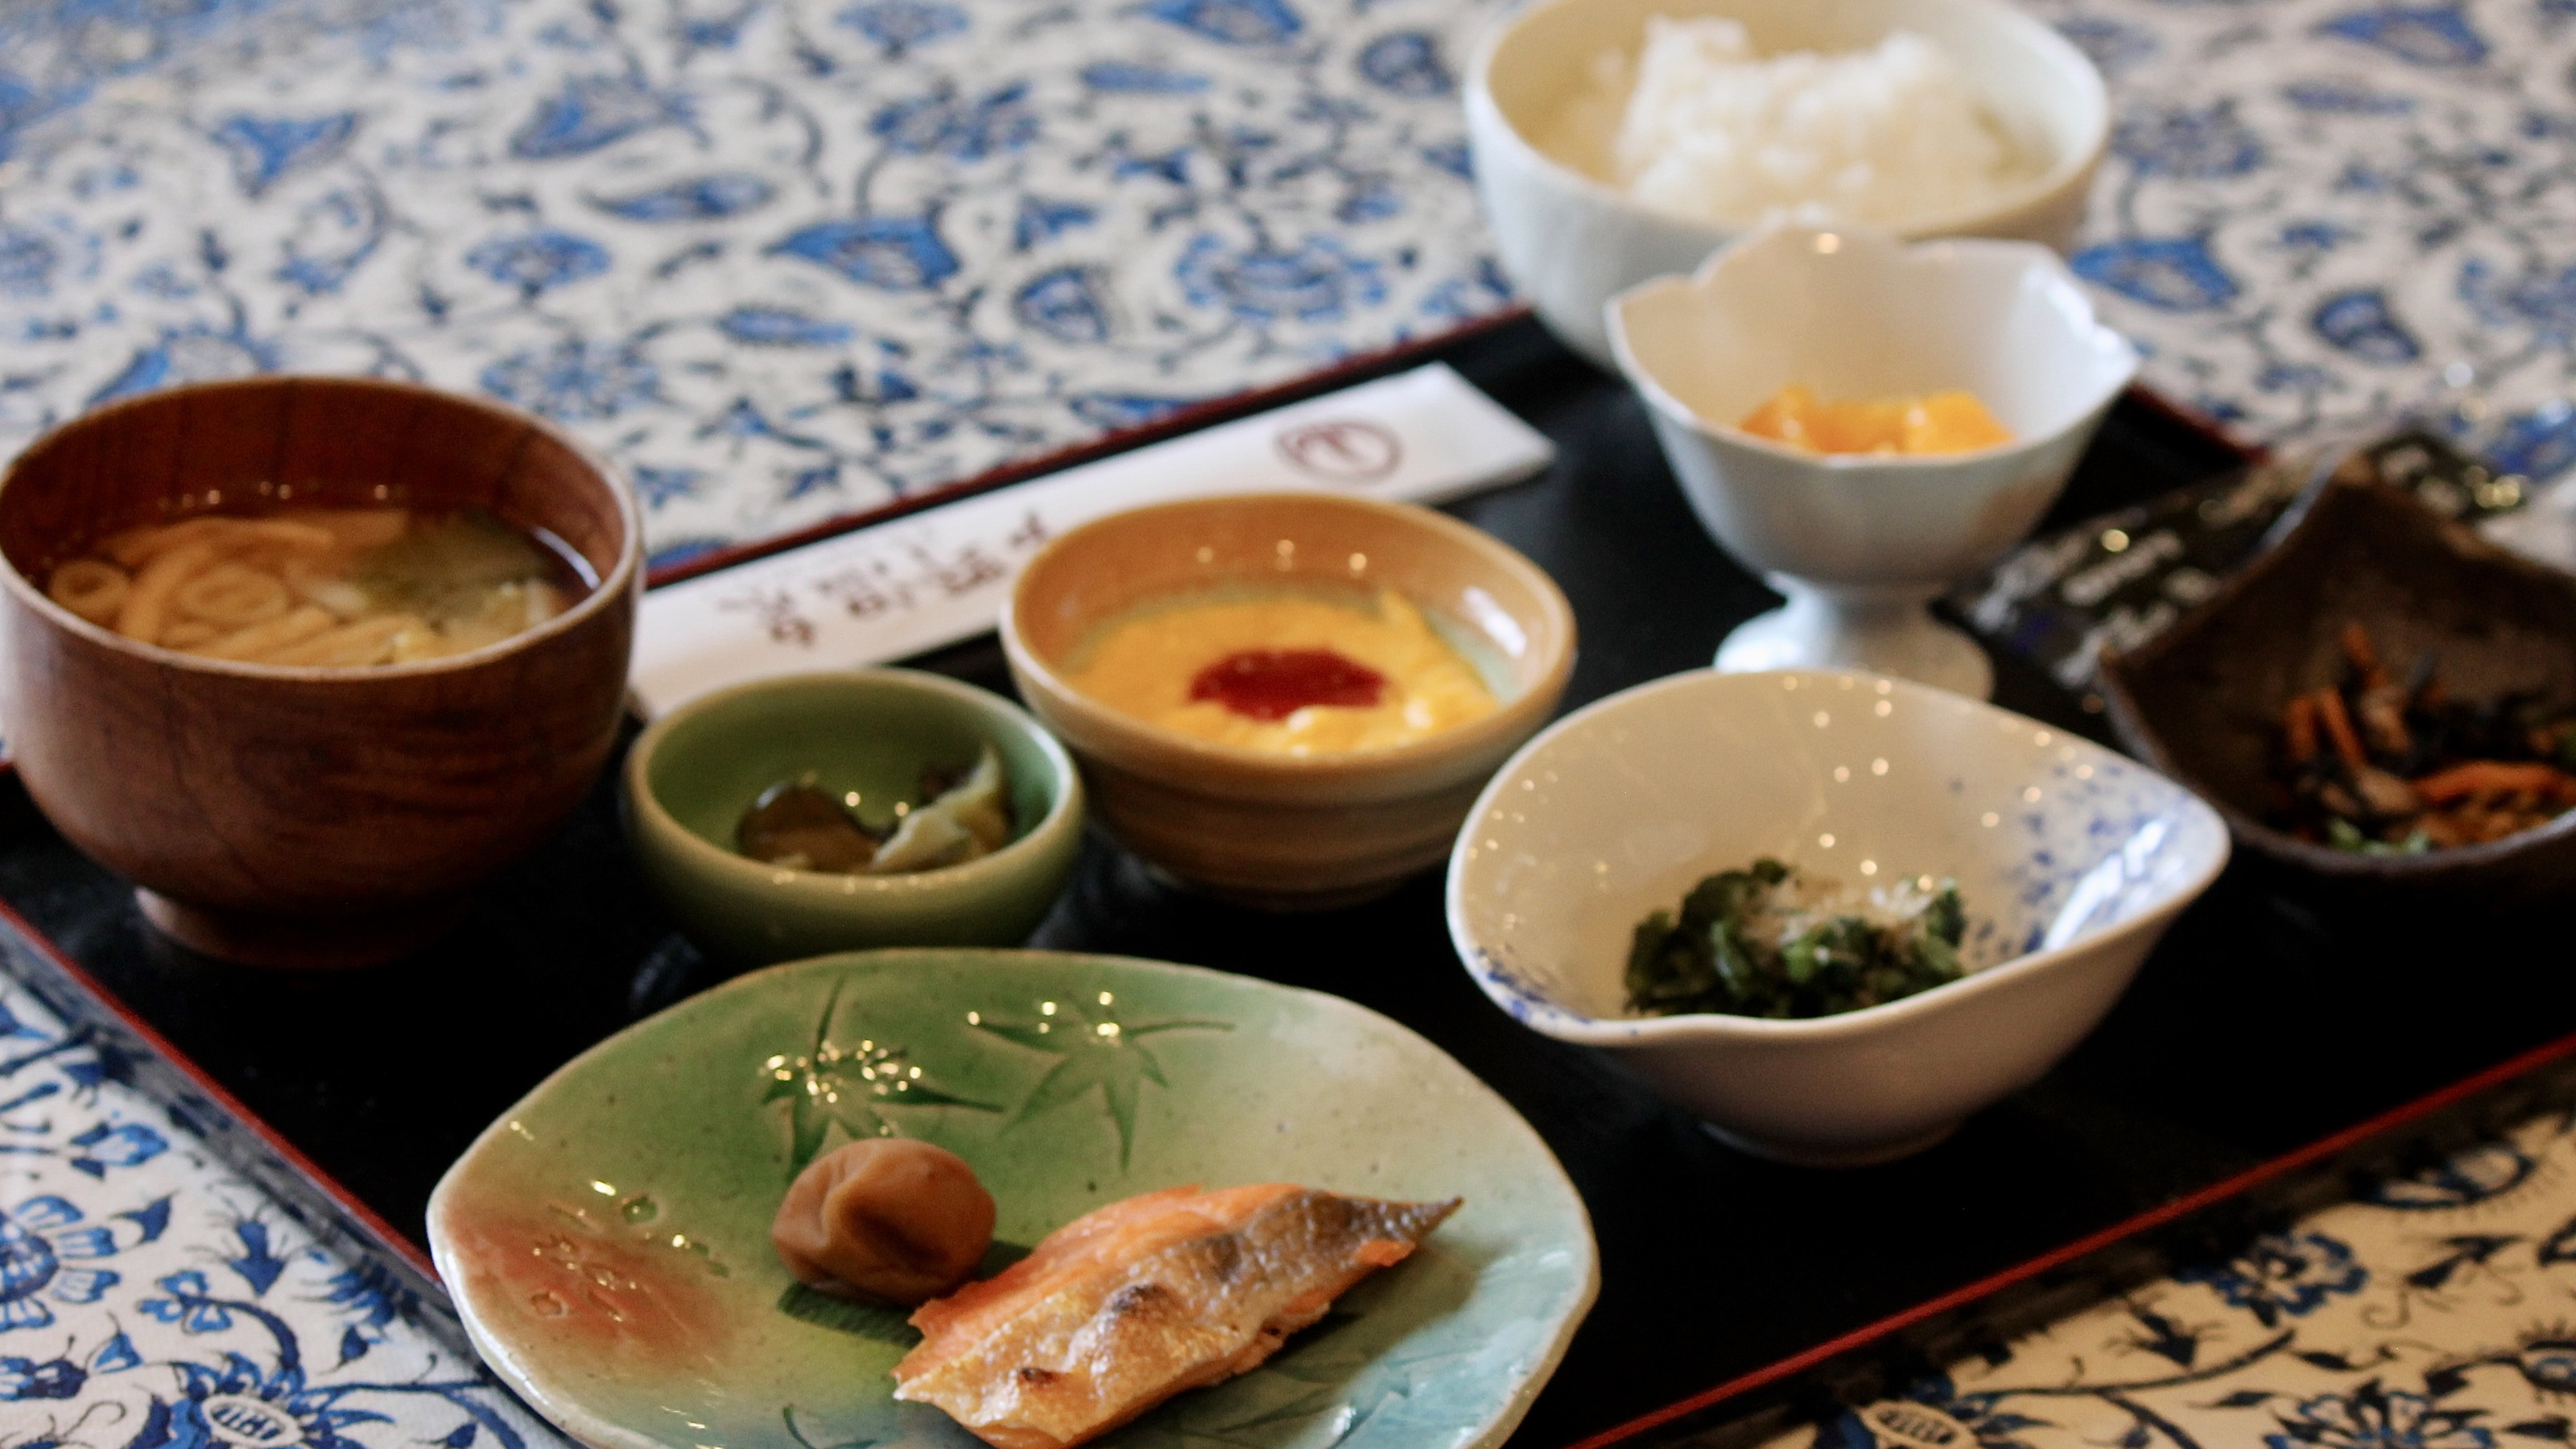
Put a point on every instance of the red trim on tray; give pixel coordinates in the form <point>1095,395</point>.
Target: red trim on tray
<point>196,1075</point>
<point>2181,1207</point>
<point>1187,420</point>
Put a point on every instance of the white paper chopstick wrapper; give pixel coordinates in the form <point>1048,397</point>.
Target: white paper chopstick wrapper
<point>895,589</point>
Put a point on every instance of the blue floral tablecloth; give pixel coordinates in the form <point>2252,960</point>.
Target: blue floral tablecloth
<point>785,259</point>
<point>788,259</point>
<point>2323,212</point>
<point>2434,1310</point>
<point>168,1282</point>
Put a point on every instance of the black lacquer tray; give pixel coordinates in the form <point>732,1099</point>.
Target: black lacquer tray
<point>2258,1032</point>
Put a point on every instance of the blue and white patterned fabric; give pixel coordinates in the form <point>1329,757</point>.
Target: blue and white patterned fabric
<point>2431,1311</point>
<point>2313,209</point>
<point>788,259</point>
<point>167,1282</point>
<point>785,259</point>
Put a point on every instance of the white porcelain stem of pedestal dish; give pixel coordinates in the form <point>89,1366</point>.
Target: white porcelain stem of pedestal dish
<point>1881,628</point>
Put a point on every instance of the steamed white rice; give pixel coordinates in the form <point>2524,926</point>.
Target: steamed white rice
<point>1699,125</point>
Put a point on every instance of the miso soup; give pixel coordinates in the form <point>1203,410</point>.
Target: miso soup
<point>332,588</point>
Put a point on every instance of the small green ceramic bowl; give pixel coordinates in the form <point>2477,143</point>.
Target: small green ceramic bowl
<point>693,773</point>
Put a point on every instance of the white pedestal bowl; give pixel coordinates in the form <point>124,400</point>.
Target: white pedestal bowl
<point>1860,543</point>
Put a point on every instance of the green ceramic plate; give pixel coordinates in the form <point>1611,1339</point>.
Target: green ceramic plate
<point>608,1239</point>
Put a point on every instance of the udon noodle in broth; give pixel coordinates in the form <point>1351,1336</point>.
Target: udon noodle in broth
<point>321,587</point>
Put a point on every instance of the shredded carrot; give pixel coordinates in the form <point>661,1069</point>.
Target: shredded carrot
<point>2338,723</point>
<point>2440,829</point>
<point>2481,777</point>
<point>2299,728</point>
<point>2506,822</point>
<point>2364,659</point>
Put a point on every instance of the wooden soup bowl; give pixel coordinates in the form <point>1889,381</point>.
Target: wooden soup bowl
<point>308,816</point>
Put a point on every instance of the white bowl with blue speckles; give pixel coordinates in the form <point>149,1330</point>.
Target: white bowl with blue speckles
<point>2071,861</point>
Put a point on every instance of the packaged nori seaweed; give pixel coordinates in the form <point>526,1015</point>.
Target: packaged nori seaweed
<point>2117,581</point>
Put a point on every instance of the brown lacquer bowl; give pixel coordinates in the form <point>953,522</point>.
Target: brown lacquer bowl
<point>2203,702</point>
<point>308,816</point>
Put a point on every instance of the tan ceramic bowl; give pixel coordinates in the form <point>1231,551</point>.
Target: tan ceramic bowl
<point>305,816</point>
<point>1270,830</point>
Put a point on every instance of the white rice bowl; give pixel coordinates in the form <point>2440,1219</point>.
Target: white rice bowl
<point>1699,125</point>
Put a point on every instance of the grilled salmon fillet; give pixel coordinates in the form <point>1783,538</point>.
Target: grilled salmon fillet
<point>1130,1304</point>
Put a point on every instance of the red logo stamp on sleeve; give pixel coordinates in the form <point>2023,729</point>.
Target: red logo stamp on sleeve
<point>1345,450</point>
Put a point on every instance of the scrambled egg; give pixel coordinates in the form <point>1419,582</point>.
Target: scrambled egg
<point>1145,665</point>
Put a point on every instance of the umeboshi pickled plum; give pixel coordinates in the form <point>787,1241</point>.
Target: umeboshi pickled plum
<point>884,1220</point>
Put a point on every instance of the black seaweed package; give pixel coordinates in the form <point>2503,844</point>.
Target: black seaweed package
<point>2117,581</point>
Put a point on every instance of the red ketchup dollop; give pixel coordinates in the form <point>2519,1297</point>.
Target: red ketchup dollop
<point>1272,684</point>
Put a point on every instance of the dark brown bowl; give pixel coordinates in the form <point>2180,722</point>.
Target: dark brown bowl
<point>295,816</point>
<point>2203,701</point>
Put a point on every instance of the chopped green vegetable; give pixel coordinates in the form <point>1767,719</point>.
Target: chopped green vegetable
<point>2342,834</point>
<point>446,569</point>
<point>1748,944</point>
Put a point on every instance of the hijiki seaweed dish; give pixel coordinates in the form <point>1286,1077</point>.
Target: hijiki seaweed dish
<point>2388,764</point>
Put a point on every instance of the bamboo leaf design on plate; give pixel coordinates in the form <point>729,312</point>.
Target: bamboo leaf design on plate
<point>1352,1386</point>
<point>830,1082</point>
<point>1099,1048</point>
<point>884,1324</point>
<point>787,1416</point>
